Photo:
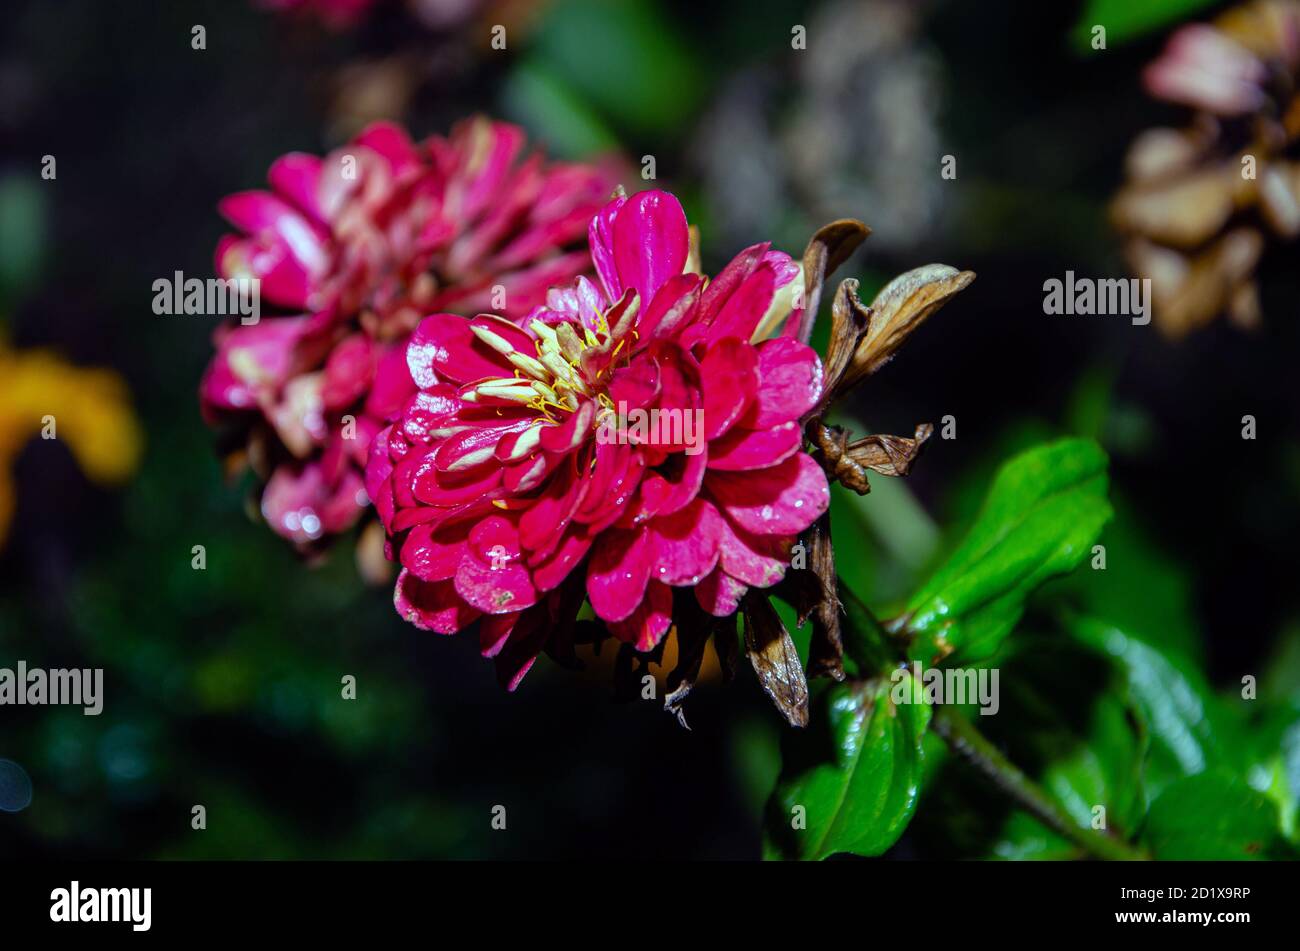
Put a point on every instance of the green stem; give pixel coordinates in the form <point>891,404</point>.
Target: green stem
<point>972,746</point>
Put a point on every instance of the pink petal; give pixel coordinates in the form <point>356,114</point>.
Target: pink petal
<point>719,593</point>
<point>674,484</point>
<point>434,554</point>
<point>650,621</point>
<point>348,372</point>
<point>744,308</point>
<point>296,176</point>
<point>600,235</point>
<point>475,445</point>
<point>443,347</point>
<point>392,386</point>
<point>495,586</point>
<point>550,574</point>
<point>781,500</point>
<point>729,379</point>
<point>650,242</point>
<point>494,630</point>
<point>392,144</point>
<point>672,308</point>
<point>790,382</point>
<point>729,278</point>
<point>686,544</point>
<point>431,607</point>
<point>618,572</point>
<point>742,449</point>
<point>756,560</point>
<point>544,521</point>
<point>430,485</point>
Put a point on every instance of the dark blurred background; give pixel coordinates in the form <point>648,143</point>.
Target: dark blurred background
<point>222,686</point>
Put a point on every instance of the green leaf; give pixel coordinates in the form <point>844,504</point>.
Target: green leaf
<point>1215,816</point>
<point>535,97</point>
<point>1191,729</point>
<point>1141,590</point>
<point>1127,19</point>
<point>624,57</point>
<point>1065,719</point>
<point>1041,515</point>
<point>853,776</point>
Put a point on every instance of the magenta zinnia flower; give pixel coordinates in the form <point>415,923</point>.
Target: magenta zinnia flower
<point>505,497</point>
<point>364,242</point>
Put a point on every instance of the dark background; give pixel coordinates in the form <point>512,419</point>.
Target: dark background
<point>222,686</point>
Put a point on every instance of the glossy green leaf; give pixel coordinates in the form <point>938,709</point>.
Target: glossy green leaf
<point>1040,518</point>
<point>850,781</point>
<point>1215,816</point>
<point>1191,729</point>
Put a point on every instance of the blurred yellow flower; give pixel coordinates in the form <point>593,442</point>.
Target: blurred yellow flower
<point>40,393</point>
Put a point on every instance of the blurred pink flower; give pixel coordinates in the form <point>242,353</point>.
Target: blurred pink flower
<point>509,493</point>
<point>1226,69</point>
<point>365,241</point>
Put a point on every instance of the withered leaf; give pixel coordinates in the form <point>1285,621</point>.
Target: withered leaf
<point>850,319</point>
<point>901,306</point>
<point>848,462</point>
<point>1190,291</point>
<point>827,250</point>
<point>1183,210</point>
<point>774,658</point>
<point>820,600</point>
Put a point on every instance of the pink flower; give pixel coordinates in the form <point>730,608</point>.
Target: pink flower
<point>1228,68</point>
<point>363,242</point>
<point>514,483</point>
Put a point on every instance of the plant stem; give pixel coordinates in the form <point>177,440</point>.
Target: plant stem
<point>972,746</point>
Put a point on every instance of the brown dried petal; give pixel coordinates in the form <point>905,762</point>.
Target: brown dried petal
<point>827,250</point>
<point>848,462</point>
<point>826,649</point>
<point>1279,198</point>
<point>1158,153</point>
<point>1189,292</point>
<point>900,307</point>
<point>890,455</point>
<point>1184,211</point>
<point>850,319</point>
<point>776,662</point>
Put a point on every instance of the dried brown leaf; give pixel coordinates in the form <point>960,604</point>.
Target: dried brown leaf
<point>901,306</point>
<point>827,250</point>
<point>848,462</point>
<point>774,658</point>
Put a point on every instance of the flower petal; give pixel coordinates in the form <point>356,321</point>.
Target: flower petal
<point>741,449</point>
<point>431,607</point>
<point>781,500</point>
<point>618,572</point>
<point>650,242</point>
<point>790,382</point>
